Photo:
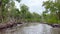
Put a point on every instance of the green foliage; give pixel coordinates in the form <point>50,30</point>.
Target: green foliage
<point>27,16</point>
<point>5,6</point>
<point>8,12</point>
<point>54,8</point>
<point>18,0</point>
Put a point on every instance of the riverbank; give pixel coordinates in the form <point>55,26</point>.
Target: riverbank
<point>12,24</point>
<point>9,25</point>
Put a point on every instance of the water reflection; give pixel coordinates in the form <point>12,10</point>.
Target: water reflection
<point>33,28</point>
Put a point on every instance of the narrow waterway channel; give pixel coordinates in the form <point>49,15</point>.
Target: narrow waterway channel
<point>31,28</point>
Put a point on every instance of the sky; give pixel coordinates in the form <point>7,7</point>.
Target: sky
<point>34,5</point>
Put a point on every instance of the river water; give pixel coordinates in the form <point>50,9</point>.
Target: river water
<point>31,28</point>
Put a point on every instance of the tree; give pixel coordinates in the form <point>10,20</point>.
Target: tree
<point>27,16</point>
<point>54,8</point>
<point>24,11</point>
<point>4,5</point>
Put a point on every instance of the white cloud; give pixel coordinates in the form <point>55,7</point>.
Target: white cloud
<point>34,5</point>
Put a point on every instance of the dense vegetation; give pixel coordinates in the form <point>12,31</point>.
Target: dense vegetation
<point>52,11</point>
<point>8,12</point>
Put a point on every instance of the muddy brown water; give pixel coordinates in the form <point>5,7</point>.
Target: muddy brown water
<point>31,28</point>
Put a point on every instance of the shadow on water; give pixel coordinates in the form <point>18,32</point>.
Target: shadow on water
<point>31,28</point>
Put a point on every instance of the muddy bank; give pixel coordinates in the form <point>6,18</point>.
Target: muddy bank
<point>8,25</point>
<point>53,25</point>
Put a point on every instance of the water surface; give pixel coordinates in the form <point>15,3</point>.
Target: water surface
<point>31,28</point>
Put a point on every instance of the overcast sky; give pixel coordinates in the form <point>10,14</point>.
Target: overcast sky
<point>34,5</point>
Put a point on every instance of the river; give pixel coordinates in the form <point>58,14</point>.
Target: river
<point>31,28</point>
